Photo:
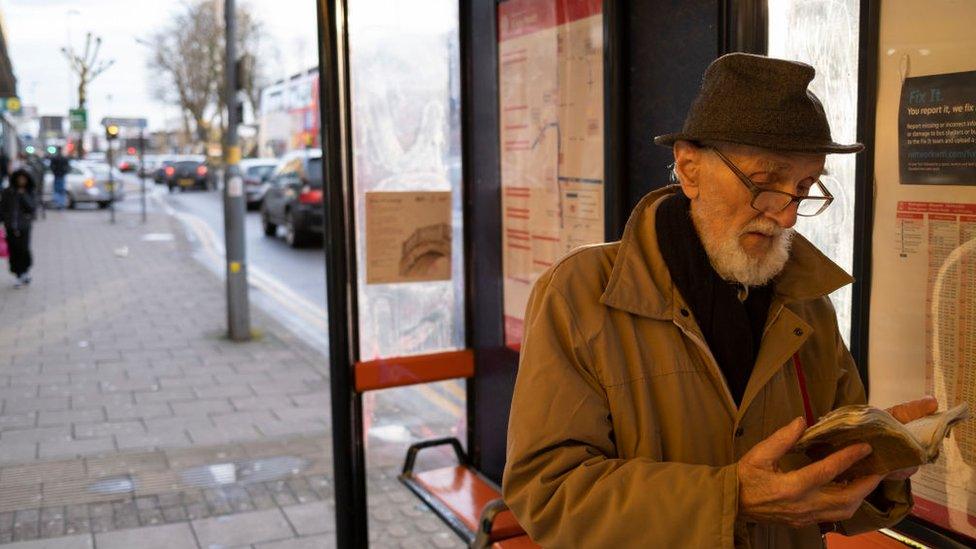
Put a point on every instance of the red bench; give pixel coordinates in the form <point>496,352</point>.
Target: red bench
<point>467,501</point>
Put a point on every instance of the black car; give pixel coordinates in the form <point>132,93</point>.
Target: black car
<point>294,198</point>
<point>159,173</point>
<point>188,174</point>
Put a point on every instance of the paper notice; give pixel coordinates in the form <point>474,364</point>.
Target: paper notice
<point>408,237</point>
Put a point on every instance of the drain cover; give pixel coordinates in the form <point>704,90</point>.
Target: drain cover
<point>118,485</point>
<point>243,472</point>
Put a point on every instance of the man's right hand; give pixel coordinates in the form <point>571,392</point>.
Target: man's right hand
<point>803,497</point>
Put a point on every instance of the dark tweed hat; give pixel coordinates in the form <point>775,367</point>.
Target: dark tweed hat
<point>759,101</point>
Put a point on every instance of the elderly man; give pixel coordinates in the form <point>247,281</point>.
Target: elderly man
<point>665,378</point>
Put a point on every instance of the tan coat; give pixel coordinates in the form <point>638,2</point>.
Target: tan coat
<point>623,432</point>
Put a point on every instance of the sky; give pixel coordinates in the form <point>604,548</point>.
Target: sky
<point>36,30</point>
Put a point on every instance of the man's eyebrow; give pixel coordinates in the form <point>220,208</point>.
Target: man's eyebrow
<point>767,165</point>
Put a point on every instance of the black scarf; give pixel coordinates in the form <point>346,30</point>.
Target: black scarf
<point>732,328</point>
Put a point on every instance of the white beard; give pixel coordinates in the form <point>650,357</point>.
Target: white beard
<point>731,261</point>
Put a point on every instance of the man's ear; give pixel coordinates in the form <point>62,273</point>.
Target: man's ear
<point>687,166</point>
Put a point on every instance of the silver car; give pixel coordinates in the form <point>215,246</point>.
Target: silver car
<point>87,182</point>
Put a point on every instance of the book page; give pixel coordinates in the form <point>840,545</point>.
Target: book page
<point>926,429</point>
<point>930,430</point>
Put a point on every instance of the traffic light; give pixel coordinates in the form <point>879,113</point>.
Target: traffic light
<point>131,150</point>
<point>243,69</point>
<point>30,149</point>
<point>51,149</point>
<point>111,132</point>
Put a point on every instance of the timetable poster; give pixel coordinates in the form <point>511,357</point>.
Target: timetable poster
<point>932,248</point>
<point>550,80</point>
<point>922,331</point>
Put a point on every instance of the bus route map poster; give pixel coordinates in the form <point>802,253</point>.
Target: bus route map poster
<point>550,80</point>
<point>922,332</point>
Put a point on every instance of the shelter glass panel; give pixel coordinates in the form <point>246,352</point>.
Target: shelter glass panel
<point>923,298</point>
<point>824,34</point>
<point>405,99</point>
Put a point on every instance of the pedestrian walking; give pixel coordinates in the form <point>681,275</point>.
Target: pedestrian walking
<point>60,166</point>
<point>17,212</point>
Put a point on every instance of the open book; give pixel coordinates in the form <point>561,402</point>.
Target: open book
<point>895,445</point>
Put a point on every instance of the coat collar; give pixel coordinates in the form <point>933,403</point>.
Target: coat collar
<point>641,284</point>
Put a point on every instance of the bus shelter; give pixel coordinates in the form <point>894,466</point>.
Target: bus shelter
<point>469,145</point>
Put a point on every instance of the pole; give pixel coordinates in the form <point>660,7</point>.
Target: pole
<point>349,452</point>
<point>142,173</point>
<point>111,182</point>
<point>238,317</point>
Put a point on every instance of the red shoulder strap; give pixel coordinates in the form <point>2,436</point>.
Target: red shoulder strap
<point>802,382</point>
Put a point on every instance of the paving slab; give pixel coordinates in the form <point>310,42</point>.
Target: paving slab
<point>68,542</point>
<point>168,536</point>
<point>243,528</point>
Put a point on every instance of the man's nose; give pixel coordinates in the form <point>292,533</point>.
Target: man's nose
<point>786,218</point>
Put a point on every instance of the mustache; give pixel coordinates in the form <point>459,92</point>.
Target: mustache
<point>764,226</point>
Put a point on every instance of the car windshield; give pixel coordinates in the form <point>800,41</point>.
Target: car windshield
<point>314,173</point>
<point>186,164</point>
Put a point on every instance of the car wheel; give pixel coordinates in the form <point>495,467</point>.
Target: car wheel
<point>293,236</point>
<point>71,202</point>
<point>104,204</point>
<point>270,229</point>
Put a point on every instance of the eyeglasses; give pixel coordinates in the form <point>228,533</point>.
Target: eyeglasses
<point>770,201</point>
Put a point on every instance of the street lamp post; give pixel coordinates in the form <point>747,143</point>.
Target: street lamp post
<point>238,316</point>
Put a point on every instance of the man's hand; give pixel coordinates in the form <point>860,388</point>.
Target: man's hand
<point>906,412</point>
<point>805,496</point>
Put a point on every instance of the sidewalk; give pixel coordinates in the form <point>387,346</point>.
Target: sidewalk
<point>128,420</point>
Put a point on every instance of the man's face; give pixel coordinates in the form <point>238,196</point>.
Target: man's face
<point>743,244</point>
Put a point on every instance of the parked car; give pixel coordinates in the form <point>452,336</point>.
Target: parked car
<point>87,182</point>
<point>184,174</point>
<point>256,172</point>
<point>294,198</point>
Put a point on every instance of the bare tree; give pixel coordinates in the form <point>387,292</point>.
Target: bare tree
<point>87,66</point>
<point>188,55</point>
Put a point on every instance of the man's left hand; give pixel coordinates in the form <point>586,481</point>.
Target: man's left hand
<point>906,412</point>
